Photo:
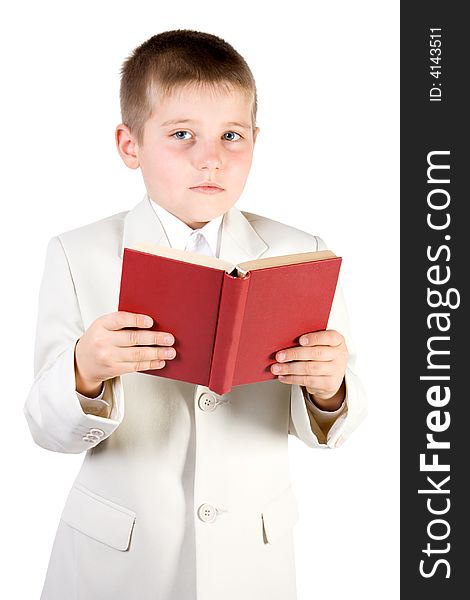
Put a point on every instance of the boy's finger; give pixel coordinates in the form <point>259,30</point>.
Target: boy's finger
<point>316,353</point>
<point>330,337</point>
<point>322,385</point>
<point>139,337</point>
<point>144,355</point>
<point>121,319</point>
<point>318,369</point>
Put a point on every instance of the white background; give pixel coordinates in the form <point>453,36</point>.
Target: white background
<point>326,161</point>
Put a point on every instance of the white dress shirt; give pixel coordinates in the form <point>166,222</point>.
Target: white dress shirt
<point>179,234</point>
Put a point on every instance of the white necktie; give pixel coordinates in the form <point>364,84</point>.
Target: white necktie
<point>198,243</point>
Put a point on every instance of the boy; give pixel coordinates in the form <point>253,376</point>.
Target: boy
<point>183,494</point>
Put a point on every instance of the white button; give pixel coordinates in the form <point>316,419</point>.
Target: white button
<point>98,432</point>
<point>207,402</point>
<point>207,513</point>
<point>87,438</point>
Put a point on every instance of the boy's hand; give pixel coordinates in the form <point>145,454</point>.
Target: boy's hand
<point>319,364</point>
<point>106,350</point>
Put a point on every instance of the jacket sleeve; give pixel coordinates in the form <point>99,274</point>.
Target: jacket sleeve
<point>53,409</point>
<point>316,428</point>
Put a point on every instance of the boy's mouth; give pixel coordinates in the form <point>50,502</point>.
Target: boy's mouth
<point>207,189</point>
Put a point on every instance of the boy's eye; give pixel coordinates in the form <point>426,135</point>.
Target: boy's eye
<point>232,133</point>
<point>180,137</point>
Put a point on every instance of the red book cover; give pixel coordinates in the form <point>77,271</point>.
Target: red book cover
<point>228,321</point>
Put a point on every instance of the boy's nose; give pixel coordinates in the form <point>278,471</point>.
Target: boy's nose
<point>209,158</point>
<point>210,165</point>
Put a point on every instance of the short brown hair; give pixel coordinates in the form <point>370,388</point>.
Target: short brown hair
<point>175,59</point>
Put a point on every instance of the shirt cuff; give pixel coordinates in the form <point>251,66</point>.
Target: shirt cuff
<point>95,406</point>
<point>324,418</point>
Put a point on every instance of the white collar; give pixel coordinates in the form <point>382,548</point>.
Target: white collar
<point>178,233</point>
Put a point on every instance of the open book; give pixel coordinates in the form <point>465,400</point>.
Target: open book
<point>228,321</point>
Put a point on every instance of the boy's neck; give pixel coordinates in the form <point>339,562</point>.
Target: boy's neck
<point>196,225</point>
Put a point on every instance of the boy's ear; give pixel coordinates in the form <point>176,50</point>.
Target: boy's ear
<point>126,146</point>
<point>255,133</point>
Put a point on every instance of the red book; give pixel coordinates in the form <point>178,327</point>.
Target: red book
<point>228,321</point>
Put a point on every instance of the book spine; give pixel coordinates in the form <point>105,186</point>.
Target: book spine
<point>227,335</point>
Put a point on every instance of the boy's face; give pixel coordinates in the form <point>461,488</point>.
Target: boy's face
<point>210,139</point>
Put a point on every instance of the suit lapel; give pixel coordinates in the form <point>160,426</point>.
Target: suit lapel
<point>239,241</point>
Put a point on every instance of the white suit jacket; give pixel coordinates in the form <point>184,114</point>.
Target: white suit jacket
<point>183,494</point>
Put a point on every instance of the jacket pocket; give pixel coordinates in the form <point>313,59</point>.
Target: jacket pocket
<point>279,515</point>
<point>98,518</point>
